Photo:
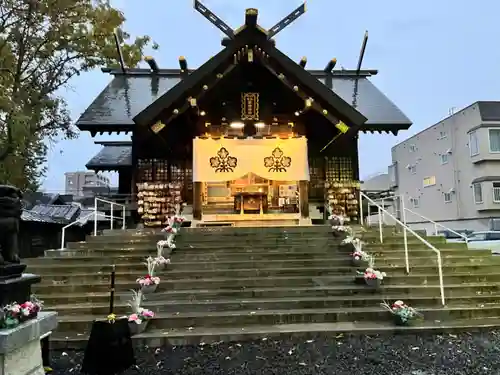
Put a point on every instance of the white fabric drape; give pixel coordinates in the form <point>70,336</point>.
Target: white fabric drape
<point>229,159</point>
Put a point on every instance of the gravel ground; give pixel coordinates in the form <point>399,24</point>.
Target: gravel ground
<point>424,354</point>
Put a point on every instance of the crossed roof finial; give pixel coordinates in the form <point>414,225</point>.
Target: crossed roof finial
<point>251,17</point>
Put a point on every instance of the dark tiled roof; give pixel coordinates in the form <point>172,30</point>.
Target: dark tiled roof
<point>126,96</point>
<point>490,111</point>
<point>370,101</point>
<point>112,156</point>
<point>60,214</point>
<point>123,98</point>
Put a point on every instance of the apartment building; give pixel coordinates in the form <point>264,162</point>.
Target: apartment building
<point>80,183</point>
<point>450,172</point>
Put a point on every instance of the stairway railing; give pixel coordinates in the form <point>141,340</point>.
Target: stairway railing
<point>406,229</point>
<point>80,220</point>
<point>113,204</point>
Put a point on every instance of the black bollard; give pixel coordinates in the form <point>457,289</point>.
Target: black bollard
<point>45,344</point>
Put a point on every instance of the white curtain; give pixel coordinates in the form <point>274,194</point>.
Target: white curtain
<point>229,159</point>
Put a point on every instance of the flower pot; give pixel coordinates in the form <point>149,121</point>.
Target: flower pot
<point>160,267</point>
<point>137,328</point>
<point>347,246</point>
<point>148,289</point>
<point>339,234</point>
<point>373,283</point>
<point>356,262</point>
<point>398,320</point>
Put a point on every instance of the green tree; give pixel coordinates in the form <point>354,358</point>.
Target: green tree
<point>43,44</point>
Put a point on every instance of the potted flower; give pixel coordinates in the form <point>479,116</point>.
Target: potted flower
<point>177,221</point>
<point>150,282</point>
<point>336,219</point>
<point>347,242</point>
<point>341,231</point>
<point>161,262</point>
<point>140,316</point>
<point>402,313</point>
<point>373,278</point>
<point>15,313</point>
<point>171,232</point>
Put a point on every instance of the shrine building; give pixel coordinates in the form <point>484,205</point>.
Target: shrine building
<point>249,138</point>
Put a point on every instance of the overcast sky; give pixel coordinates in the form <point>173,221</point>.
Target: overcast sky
<point>431,55</point>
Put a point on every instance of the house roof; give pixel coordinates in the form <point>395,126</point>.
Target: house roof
<point>490,111</point>
<point>112,156</point>
<point>136,91</point>
<point>139,96</point>
<point>272,59</point>
<point>57,214</point>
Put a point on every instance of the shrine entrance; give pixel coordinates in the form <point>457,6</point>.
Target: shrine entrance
<point>250,179</point>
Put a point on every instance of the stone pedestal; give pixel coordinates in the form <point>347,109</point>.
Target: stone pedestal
<point>17,289</point>
<point>20,351</point>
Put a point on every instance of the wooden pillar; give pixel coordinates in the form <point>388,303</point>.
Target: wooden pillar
<point>304,198</point>
<point>197,200</point>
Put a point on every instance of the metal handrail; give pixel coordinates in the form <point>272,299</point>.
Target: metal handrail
<point>405,229</point>
<point>97,199</point>
<point>436,225</point>
<point>79,220</point>
<point>63,235</point>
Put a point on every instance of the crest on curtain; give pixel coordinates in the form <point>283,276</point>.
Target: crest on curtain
<point>223,162</point>
<point>277,162</point>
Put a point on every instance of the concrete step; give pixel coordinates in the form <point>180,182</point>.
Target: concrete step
<point>257,304</point>
<point>242,247</point>
<point>267,240</point>
<point>221,231</point>
<point>322,270</point>
<point>239,231</point>
<point>92,283</point>
<point>54,297</point>
<point>78,265</point>
<point>111,257</point>
<point>246,318</point>
<point>267,244</point>
<point>213,335</point>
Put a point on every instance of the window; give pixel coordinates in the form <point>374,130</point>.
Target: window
<point>444,158</point>
<point>447,197</point>
<point>478,193</point>
<point>473,144</point>
<point>476,237</point>
<point>412,148</point>
<point>493,236</point>
<point>429,181</point>
<point>415,202</point>
<point>442,135</point>
<point>494,136</point>
<point>496,192</point>
<point>412,169</point>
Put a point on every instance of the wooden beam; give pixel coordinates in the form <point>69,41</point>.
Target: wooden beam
<point>184,67</point>
<point>288,20</point>
<point>251,15</point>
<point>216,21</point>
<point>152,63</point>
<point>303,62</point>
<point>331,65</point>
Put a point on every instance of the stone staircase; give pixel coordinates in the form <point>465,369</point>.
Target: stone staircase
<point>237,283</point>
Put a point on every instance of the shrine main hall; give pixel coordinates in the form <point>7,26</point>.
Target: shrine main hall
<point>250,138</point>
